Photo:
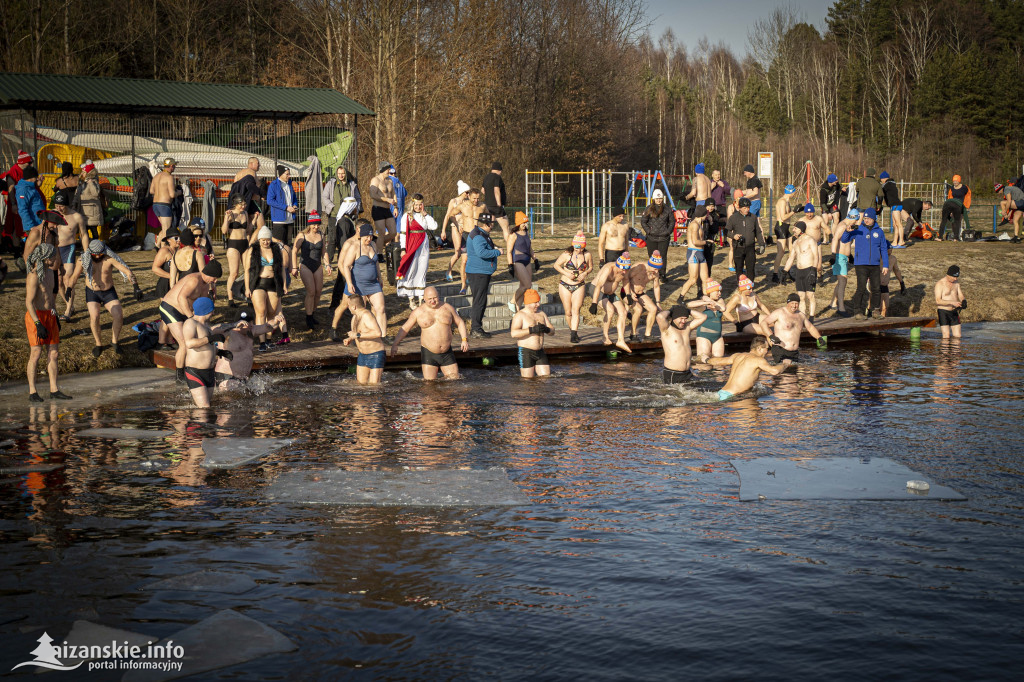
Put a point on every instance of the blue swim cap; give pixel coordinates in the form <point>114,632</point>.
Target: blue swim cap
<point>831,178</point>
<point>202,306</point>
<point>790,189</point>
<point>870,213</point>
<point>853,214</point>
<point>699,168</point>
<point>883,176</point>
<point>809,208</point>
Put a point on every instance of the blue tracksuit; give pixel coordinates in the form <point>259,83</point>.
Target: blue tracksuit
<point>869,245</point>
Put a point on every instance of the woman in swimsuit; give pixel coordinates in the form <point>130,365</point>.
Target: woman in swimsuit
<point>309,258</point>
<point>748,307</point>
<point>161,262</point>
<point>202,243</point>
<point>520,258</point>
<point>67,183</point>
<point>709,334</point>
<point>187,259</point>
<point>265,264</point>
<point>361,271</point>
<point>574,264</point>
<point>238,233</point>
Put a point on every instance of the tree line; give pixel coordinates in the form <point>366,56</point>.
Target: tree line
<point>921,88</point>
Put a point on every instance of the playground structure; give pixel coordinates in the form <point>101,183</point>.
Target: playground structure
<point>600,191</point>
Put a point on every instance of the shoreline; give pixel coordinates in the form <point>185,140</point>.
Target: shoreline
<point>986,266</point>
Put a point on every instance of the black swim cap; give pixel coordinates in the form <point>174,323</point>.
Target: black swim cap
<point>793,297</point>
<point>748,169</point>
<point>213,269</point>
<point>700,212</point>
<point>954,271</point>
<point>678,310</point>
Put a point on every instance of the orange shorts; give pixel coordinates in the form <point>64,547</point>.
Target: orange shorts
<point>49,320</point>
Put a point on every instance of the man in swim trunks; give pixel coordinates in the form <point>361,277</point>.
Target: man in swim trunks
<point>529,326</point>
<point>235,352</point>
<point>701,188</point>
<point>841,262</point>
<point>382,191</point>
<point>696,263</point>
<point>814,225</point>
<point>637,279</point>
<point>494,197</point>
<point>449,219</point>
<point>614,237</point>
<point>97,264</point>
<point>40,319</point>
<point>246,185</point>
<point>1012,206</point>
<point>201,350</point>
<point>180,298</point>
<point>783,213</point>
<point>753,193</point>
<point>162,189</point>
<point>610,279</point>
<point>829,195</point>
<point>675,325</point>
<point>746,368</point>
<point>466,215</point>
<point>69,235</point>
<point>950,300</point>
<point>807,253</point>
<point>369,339</point>
<point>710,342</point>
<point>891,198</point>
<point>435,321</point>
<point>782,329</point>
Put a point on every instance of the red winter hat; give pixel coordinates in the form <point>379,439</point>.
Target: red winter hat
<point>88,166</point>
<point>24,157</point>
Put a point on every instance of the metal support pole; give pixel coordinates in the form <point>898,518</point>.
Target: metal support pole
<point>552,218</point>
<point>131,132</point>
<point>353,150</point>
<point>582,195</point>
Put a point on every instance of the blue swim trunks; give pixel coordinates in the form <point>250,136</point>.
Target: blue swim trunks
<point>897,208</point>
<point>162,210</point>
<point>695,256</point>
<point>842,265</point>
<point>372,360</point>
<point>700,202</point>
<point>724,395</point>
<point>755,208</point>
<point>67,254</point>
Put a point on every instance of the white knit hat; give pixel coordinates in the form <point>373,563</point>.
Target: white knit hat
<point>463,187</point>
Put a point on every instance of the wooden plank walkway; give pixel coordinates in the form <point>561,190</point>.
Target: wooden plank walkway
<point>326,354</point>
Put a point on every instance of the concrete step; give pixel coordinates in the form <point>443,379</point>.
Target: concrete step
<point>494,299</point>
<point>501,325</point>
<point>503,311</point>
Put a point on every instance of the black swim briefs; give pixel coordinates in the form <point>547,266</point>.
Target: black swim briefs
<point>199,378</point>
<point>949,318</point>
<point>529,358</point>
<point>169,314</point>
<point>671,376</point>
<point>432,359</point>
<point>779,354</point>
<point>101,296</point>
<point>380,213</point>
<point>806,279</point>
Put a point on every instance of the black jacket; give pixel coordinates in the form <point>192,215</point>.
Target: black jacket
<point>659,227</point>
<point>255,267</point>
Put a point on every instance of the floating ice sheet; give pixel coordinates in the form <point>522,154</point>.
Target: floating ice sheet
<point>84,633</point>
<point>436,488</point>
<point>225,638</point>
<point>832,478</point>
<point>124,434</point>
<point>227,453</point>
<point>206,581</point>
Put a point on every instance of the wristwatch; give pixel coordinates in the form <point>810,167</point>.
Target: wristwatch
<point>357,335</point>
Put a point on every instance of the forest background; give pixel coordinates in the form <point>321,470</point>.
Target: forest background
<point>921,88</point>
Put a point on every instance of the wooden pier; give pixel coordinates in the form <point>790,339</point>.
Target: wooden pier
<point>501,347</point>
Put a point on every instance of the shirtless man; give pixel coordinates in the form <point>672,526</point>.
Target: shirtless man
<point>701,189</point>
<point>807,253</point>
<point>466,214</point>
<point>696,263</point>
<point>201,350</point>
<point>841,252</point>
<point>235,352</point>
<point>98,264</point>
<point>611,278</point>
<point>614,238</point>
<point>529,326</point>
<point>449,217</point>
<point>41,321</point>
<point>746,368</point>
<point>162,189</point>
<point>950,300</point>
<point>176,307</point>
<point>341,286</point>
<point>382,191</point>
<point>787,322</point>
<point>815,226</point>
<point>68,236</point>
<point>637,279</point>
<point>783,212</point>
<point>435,320</point>
<point>675,341</point>
<point>369,340</point>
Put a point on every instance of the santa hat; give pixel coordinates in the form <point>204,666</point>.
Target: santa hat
<point>24,157</point>
<point>88,166</point>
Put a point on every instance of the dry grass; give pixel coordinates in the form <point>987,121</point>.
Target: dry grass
<point>990,273</point>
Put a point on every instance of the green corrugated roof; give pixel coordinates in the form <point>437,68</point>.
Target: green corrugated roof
<point>134,95</point>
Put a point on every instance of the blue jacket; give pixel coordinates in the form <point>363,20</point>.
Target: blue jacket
<point>481,255</point>
<point>30,202</point>
<point>400,194</point>
<point>278,202</point>
<point>869,245</point>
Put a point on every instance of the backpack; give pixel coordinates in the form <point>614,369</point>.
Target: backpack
<point>141,198</point>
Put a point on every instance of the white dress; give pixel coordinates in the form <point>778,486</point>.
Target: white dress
<point>416,278</point>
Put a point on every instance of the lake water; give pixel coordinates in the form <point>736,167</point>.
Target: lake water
<point>632,558</point>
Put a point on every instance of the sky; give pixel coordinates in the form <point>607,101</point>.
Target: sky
<point>726,21</point>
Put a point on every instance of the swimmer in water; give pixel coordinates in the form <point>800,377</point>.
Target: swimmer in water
<point>369,338</point>
<point>709,335</point>
<point>675,325</point>
<point>783,327</point>
<point>435,320</point>
<point>746,368</point>
<point>201,350</point>
<point>529,326</point>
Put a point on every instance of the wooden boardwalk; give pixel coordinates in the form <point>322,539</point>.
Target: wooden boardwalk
<point>327,354</point>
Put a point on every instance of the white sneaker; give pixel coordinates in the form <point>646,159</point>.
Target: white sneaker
<point>412,304</point>
<point>512,306</point>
